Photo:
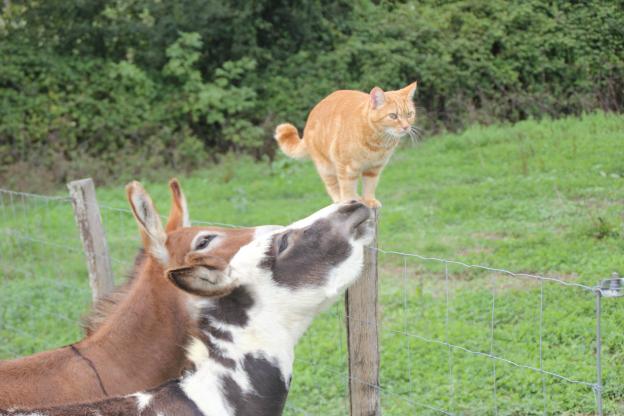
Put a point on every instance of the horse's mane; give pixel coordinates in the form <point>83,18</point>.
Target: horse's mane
<point>106,304</point>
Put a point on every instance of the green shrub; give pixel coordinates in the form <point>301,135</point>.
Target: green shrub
<point>66,114</point>
<point>475,61</point>
<point>96,83</point>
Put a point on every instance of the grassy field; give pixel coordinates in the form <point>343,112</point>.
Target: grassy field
<point>536,197</point>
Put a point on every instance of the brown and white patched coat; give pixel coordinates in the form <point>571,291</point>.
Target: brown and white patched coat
<point>251,313</point>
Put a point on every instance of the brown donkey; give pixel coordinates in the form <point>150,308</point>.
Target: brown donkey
<point>137,339</point>
<point>251,312</point>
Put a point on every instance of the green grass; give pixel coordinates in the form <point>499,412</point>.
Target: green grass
<point>536,197</point>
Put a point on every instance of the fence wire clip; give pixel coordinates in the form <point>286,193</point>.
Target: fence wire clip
<point>612,288</point>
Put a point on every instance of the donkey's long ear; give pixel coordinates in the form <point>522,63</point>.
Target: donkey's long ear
<point>150,226</point>
<point>207,280</point>
<point>179,215</point>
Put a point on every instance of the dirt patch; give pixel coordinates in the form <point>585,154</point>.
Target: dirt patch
<point>492,236</point>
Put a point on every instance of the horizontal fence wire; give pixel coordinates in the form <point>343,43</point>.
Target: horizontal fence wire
<point>164,217</point>
<point>489,269</point>
<point>43,274</point>
<point>36,286</point>
<point>480,353</point>
<point>24,215</point>
<point>592,386</point>
<point>34,196</point>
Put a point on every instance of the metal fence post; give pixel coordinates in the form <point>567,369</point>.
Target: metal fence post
<point>362,337</point>
<point>598,387</point>
<point>89,221</point>
<point>609,288</point>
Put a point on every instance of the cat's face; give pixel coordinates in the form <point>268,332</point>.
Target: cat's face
<point>393,113</point>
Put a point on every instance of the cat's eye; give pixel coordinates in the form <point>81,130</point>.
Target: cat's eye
<point>393,116</point>
<point>283,244</point>
<point>203,242</point>
<point>410,114</point>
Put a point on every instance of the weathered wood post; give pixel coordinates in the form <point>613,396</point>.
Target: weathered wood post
<point>362,337</point>
<point>89,221</point>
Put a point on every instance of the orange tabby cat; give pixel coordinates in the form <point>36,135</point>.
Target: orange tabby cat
<point>351,134</point>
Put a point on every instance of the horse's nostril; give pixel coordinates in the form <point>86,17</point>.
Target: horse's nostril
<point>353,201</point>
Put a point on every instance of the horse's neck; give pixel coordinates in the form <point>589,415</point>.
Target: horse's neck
<point>144,337</point>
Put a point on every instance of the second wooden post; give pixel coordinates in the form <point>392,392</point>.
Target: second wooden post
<point>89,221</point>
<point>363,337</point>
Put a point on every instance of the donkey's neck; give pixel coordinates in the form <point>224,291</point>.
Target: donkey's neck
<point>246,351</point>
<point>143,338</point>
<point>239,381</point>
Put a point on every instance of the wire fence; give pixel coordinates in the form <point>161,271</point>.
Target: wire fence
<point>455,338</point>
<point>499,323</point>
<point>43,289</point>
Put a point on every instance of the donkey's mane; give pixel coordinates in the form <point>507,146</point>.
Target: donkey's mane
<point>106,304</point>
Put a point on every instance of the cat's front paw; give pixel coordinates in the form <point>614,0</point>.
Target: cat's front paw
<point>372,202</point>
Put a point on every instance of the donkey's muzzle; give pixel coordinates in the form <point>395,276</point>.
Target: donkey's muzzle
<point>354,214</point>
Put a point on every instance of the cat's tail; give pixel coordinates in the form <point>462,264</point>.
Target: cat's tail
<point>289,141</point>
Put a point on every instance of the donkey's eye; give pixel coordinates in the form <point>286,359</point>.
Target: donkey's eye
<point>393,116</point>
<point>283,244</point>
<point>204,241</point>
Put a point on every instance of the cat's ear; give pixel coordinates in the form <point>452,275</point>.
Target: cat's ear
<point>410,90</point>
<point>377,98</point>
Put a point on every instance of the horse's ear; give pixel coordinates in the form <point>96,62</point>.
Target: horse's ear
<point>179,215</point>
<point>150,226</point>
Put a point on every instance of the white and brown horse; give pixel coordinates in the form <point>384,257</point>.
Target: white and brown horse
<point>135,339</point>
<point>251,310</point>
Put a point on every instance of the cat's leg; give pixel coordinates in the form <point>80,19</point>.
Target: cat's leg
<point>331,185</point>
<point>329,178</point>
<point>369,184</point>
<point>347,180</point>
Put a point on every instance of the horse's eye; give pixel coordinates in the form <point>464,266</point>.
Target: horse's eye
<point>204,241</point>
<point>393,116</point>
<point>283,244</point>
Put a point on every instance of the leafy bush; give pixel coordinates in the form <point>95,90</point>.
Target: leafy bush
<point>217,106</point>
<point>113,84</point>
<point>475,61</point>
<point>86,116</point>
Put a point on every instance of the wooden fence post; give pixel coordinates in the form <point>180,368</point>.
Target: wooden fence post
<point>89,221</point>
<point>362,337</point>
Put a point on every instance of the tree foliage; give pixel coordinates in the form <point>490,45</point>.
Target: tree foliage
<point>129,85</point>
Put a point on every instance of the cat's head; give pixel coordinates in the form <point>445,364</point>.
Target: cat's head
<point>393,113</point>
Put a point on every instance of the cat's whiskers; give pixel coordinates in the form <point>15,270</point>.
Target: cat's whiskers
<point>418,131</point>
<point>389,139</point>
<point>415,133</point>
